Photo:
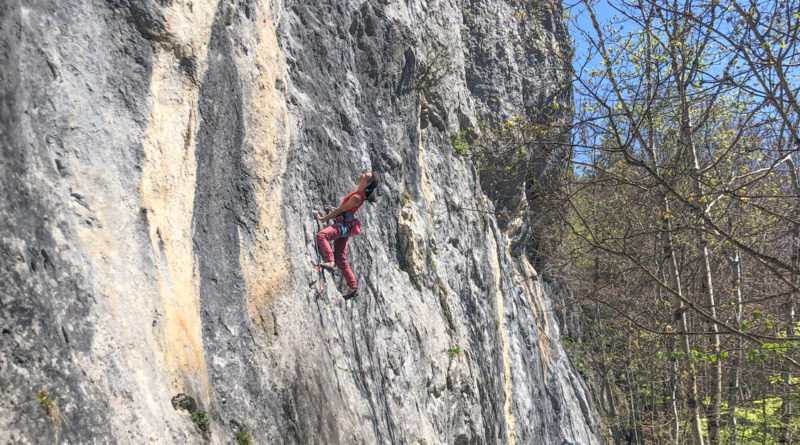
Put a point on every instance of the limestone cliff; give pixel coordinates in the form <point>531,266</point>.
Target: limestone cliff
<point>160,163</point>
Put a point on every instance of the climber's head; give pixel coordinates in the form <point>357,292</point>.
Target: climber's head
<point>368,182</point>
<point>365,180</point>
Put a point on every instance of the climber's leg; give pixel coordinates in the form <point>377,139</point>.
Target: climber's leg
<point>323,238</point>
<point>340,255</point>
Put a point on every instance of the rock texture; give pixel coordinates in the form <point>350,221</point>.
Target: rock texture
<point>160,163</point>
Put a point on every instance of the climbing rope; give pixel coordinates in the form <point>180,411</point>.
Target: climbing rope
<point>322,279</point>
<point>323,284</point>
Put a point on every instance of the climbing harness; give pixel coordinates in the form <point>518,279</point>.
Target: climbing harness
<point>341,224</point>
<point>341,221</point>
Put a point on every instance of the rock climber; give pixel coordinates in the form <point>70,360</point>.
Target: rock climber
<point>345,225</point>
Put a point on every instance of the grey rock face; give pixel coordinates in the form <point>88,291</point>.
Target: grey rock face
<point>161,161</point>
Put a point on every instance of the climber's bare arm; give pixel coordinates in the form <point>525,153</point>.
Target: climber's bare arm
<point>354,201</point>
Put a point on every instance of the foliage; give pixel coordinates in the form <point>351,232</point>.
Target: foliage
<point>431,69</point>
<point>459,142</point>
<point>44,400</point>
<point>200,418</point>
<point>243,437</point>
<point>406,198</point>
<point>50,407</point>
<point>759,423</point>
<point>677,225</point>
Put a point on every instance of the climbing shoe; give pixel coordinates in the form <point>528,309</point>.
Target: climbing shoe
<point>352,294</point>
<point>326,266</point>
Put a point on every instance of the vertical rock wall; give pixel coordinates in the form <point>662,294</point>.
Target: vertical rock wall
<point>161,161</point>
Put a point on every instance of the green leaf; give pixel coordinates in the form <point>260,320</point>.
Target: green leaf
<point>752,354</point>
<point>723,355</point>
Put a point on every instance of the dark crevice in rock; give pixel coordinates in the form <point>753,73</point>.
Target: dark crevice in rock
<point>223,200</point>
<point>407,75</point>
<point>188,65</point>
<point>147,17</point>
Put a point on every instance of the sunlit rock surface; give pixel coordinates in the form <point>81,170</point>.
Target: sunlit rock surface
<point>160,164</point>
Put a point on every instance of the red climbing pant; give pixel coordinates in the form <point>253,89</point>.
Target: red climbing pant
<point>339,254</point>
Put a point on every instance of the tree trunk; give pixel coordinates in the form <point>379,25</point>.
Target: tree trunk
<point>786,400</point>
<point>675,431</point>
<point>682,328</point>
<point>733,386</point>
<point>672,368</point>
<point>713,410</point>
<point>765,427</point>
